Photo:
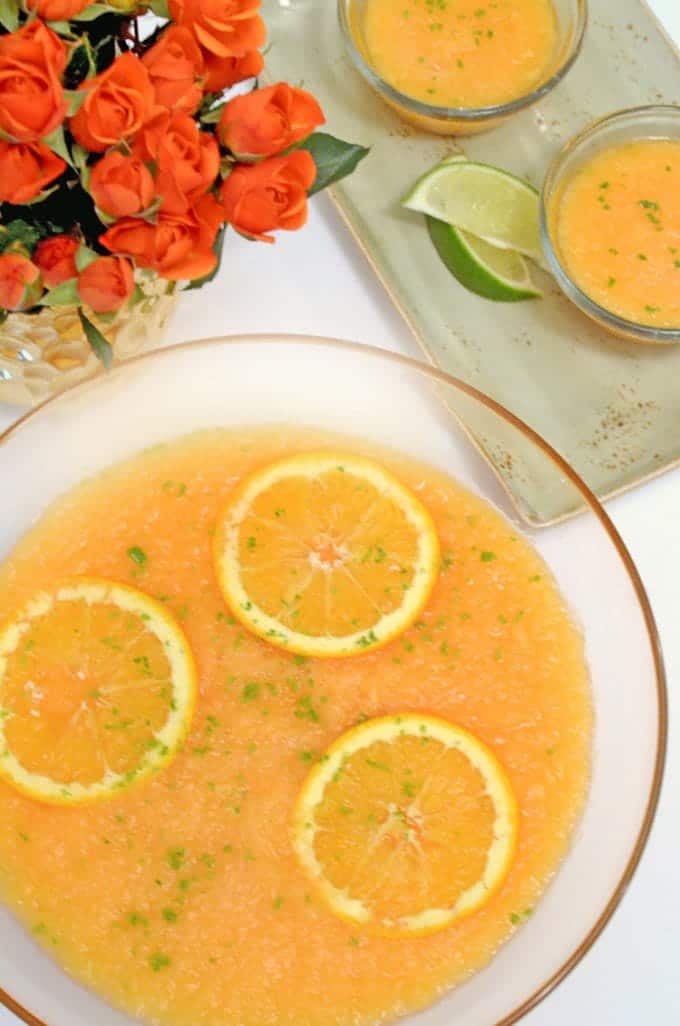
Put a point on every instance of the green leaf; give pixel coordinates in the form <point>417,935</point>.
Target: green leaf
<point>9,14</point>
<point>101,348</point>
<point>80,158</point>
<point>227,165</point>
<point>75,99</point>
<point>217,249</point>
<point>42,196</point>
<point>137,296</point>
<point>150,212</point>
<point>65,294</point>
<point>106,219</point>
<point>82,64</point>
<point>160,8</point>
<point>213,115</point>
<point>21,232</point>
<point>333,157</point>
<point>62,28</point>
<point>57,142</point>
<point>92,12</point>
<point>84,257</point>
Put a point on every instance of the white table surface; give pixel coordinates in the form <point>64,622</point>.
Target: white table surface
<point>315,282</point>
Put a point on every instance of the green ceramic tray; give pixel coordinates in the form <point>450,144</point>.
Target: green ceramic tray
<point>612,408</point>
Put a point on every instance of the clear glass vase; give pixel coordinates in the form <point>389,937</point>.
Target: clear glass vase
<point>43,353</point>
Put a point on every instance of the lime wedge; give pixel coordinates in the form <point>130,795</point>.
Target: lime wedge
<point>499,274</point>
<point>484,201</point>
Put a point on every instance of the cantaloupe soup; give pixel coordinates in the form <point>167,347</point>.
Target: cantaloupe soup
<point>615,224</point>
<point>182,900</point>
<point>461,53</point>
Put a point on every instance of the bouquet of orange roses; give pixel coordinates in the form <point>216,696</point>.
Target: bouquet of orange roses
<point>121,156</point>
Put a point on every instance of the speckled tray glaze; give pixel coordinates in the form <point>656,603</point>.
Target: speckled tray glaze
<point>611,407</point>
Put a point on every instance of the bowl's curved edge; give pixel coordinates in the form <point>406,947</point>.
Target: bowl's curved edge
<point>27,1017</point>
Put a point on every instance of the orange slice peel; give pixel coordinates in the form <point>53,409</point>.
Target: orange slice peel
<point>325,554</point>
<point>407,824</point>
<point>97,690</point>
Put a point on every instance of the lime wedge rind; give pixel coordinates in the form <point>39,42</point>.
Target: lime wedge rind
<point>484,201</point>
<point>501,275</point>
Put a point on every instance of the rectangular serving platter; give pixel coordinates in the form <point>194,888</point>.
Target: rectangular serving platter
<point>610,407</point>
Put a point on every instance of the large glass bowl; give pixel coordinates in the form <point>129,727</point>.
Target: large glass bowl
<point>572,18</point>
<point>401,403</point>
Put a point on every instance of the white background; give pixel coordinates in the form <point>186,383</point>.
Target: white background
<point>316,282</point>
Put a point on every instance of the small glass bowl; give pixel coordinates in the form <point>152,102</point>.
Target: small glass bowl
<point>572,17</point>
<point>650,122</point>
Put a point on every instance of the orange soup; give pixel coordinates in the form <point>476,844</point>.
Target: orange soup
<point>461,53</point>
<point>616,225</point>
<point>182,900</point>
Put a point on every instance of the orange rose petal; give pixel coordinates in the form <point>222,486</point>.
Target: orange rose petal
<point>121,185</point>
<point>37,44</point>
<point>20,285</point>
<point>224,72</point>
<point>177,246</point>
<point>260,198</point>
<point>106,284</point>
<point>175,64</point>
<point>26,169</point>
<point>197,265</point>
<point>188,163</point>
<point>56,258</point>
<point>32,101</point>
<point>267,121</point>
<point>119,101</point>
<point>58,10</point>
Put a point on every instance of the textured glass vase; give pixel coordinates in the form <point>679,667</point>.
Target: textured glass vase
<point>45,352</point>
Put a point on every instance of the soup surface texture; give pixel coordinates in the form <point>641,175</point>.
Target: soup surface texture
<point>182,901</point>
<point>461,53</point>
<point>616,222</point>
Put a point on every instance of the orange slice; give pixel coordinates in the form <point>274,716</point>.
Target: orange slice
<point>406,824</point>
<point>326,554</point>
<point>97,689</point>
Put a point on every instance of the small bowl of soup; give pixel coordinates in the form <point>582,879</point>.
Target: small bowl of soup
<point>461,68</point>
<point>611,222</point>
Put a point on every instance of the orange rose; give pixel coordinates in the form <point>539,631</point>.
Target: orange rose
<point>177,247</point>
<point>25,170</point>
<point>117,104</point>
<point>32,100</point>
<point>175,64</point>
<point>224,72</point>
<point>106,284</point>
<point>20,285</point>
<point>187,160</point>
<point>37,43</point>
<point>259,198</point>
<point>58,10</point>
<point>227,28</point>
<point>56,258</point>
<point>268,121</point>
<point>121,186</point>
